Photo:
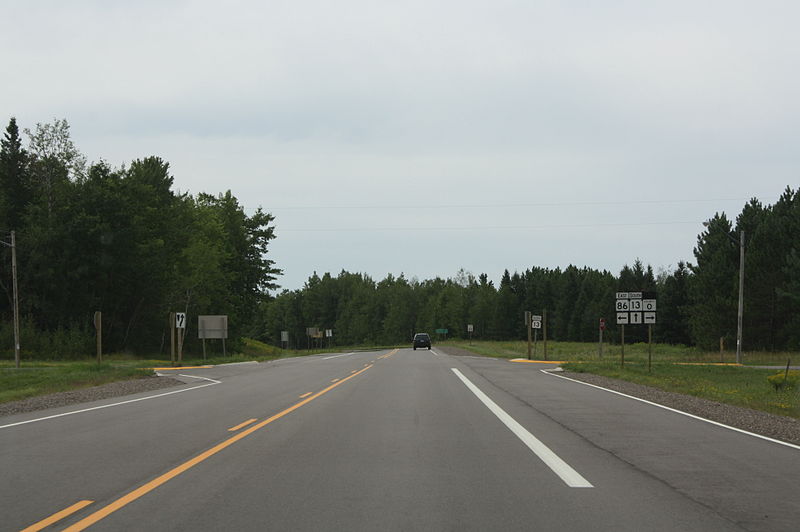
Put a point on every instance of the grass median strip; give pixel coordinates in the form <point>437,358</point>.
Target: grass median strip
<point>139,492</point>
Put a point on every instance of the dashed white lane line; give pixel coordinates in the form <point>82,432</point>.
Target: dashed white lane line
<point>570,477</point>
<point>337,356</point>
<point>212,382</point>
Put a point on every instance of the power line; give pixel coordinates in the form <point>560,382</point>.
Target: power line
<point>503,205</point>
<point>476,228</point>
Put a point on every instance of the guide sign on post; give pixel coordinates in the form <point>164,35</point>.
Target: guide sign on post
<point>536,322</point>
<point>636,308</point>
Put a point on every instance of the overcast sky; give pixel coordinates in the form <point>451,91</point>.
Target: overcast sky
<point>425,137</point>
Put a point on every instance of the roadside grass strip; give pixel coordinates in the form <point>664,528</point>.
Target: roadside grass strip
<point>571,478</point>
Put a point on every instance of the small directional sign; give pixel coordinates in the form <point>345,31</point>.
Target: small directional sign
<point>180,320</point>
<point>536,322</point>
<point>635,308</point>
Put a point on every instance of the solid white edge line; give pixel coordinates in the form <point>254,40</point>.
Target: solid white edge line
<point>212,383</point>
<point>687,414</point>
<point>570,477</point>
<point>337,356</point>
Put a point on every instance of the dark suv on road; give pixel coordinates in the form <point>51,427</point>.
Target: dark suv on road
<point>422,340</point>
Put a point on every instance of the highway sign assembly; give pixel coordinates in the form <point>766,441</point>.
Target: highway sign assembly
<point>636,308</point>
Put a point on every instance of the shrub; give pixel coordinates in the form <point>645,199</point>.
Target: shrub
<point>784,381</point>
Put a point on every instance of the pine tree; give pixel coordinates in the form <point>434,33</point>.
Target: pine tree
<point>15,194</point>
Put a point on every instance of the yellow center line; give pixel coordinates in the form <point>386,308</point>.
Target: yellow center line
<point>334,380</point>
<point>169,475</point>
<point>307,394</point>
<point>390,353</point>
<point>56,517</point>
<point>242,425</point>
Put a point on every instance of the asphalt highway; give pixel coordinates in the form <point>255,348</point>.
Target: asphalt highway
<point>390,440</point>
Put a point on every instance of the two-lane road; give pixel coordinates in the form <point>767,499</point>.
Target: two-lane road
<point>391,440</point>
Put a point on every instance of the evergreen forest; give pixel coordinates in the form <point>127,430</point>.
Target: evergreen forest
<point>92,237</point>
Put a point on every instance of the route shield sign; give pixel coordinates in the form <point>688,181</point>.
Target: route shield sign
<point>635,308</point>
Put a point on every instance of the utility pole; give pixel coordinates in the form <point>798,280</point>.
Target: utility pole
<point>16,296</point>
<point>13,246</point>
<point>741,299</point>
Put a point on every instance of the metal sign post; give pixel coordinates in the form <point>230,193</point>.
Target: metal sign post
<point>635,308</point>
<point>535,324</point>
<point>285,339</point>
<point>171,325</point>
<point>544,331</point>
<point>600,343</point>
<point>180,325</point>
<point>528,328</point>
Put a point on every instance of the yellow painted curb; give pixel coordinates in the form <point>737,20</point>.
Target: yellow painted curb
<point>536,361</point>
<point>707,364</point>
<point>180,367</point>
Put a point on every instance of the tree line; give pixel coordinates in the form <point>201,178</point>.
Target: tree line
<point>122,241</point>
<point>697,303</point>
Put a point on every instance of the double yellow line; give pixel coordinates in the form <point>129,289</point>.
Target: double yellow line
<point>128,498</point>
<point>390,353</point>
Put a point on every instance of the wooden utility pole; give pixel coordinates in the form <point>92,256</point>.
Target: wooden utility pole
<point>16,296</point>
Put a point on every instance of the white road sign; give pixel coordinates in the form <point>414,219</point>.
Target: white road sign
<point>634,295</point>
<point>536,324</point>
<point>649,305</point>
<point>622,295</point>
<point>622,318</point>
<point>180,320</point>
<point>636,305</point>
<point>623,305</point>
<point>649,318</point>
<point>636,318</point>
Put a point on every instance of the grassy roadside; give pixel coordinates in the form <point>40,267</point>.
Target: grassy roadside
<point>674,369</point>
<point>35,378</point>
<point>41,378</point>
<point>740,386</point>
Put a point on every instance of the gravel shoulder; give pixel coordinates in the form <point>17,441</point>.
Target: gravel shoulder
<point>85,395</point>
<point>773,426</point>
